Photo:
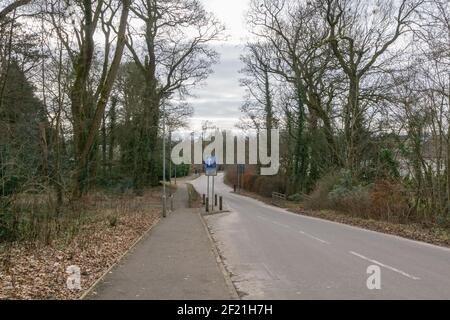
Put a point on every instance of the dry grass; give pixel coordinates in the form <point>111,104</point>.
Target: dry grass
<point>194,197</point>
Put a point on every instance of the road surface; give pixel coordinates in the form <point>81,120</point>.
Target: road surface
<point>274,254</point>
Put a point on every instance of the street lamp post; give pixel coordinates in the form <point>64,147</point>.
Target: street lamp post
<point>164,204</point>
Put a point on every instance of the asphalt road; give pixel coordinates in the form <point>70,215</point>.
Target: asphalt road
<point>273,254</point>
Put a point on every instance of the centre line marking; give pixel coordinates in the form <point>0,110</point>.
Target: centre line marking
<point>301,232</point>
<point>314,238</point>
<point>281,225</point>
<point>385,266</point>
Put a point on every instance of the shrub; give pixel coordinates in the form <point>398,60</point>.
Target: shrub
<point>319,197</point>
<point>340,191</point>
<point>355,200</point>
<point>6,221</point>
<point>266,185</point>
<point>230,175</point>
<point>390,202</point>
<point>249,181</point>
<point>343,187</point>
<point>389,164</point>
<point>384,200</point>
<point>296,198</point>
<point>113,220</point>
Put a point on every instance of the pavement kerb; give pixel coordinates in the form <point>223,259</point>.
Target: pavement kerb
<point>231,288</point>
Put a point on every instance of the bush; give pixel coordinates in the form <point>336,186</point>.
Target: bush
<point>384,200</point>
<point>6,221</point>
<point>266,185</point>
<point>296,198</point>
<point>390,202</point>
<point>113,220</point>
<point>249,182</point>
<point>340,192</point>
<point>116,184</point>
<point>319,197</point>
<point>343,187</point>
<point>230,176</point>
<point>355,201</point>
<point>262,185</point>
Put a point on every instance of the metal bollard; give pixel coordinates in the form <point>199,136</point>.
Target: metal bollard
<point>234,188</point>
<point>171,203</point>
<point>207,204</point>
<point>221,203</point>
<point>204,199</point>
<point>215,200</point>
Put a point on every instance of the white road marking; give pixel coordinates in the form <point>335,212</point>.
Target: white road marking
<point>384,265</point>
<point>281,225</point>
<point>313,237</point>
<point>273,222</point>
<point>301,232</point>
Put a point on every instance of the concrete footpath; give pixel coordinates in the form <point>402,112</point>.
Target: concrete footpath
<point>175,261</point>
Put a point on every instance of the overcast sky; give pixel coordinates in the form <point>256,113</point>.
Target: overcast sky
<point>220,98</point>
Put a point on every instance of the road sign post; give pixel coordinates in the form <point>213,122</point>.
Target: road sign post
<point>211,167</point>
<point>212,195</point>
<point>211,171</point>
<point>207,193</point>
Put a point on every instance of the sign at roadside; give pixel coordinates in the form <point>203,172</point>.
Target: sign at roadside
<point>211,167</point>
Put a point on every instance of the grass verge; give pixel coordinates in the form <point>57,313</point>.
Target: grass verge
<point>194,197</point>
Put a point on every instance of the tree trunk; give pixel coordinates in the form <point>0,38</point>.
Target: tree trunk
<point>85,133</point>
<point>112,133</point>
<point>353,126</point>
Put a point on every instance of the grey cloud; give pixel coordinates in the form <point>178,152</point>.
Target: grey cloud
<point>221,96</point>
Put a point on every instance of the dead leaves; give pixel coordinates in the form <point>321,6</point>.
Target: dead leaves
<point>40,273</point>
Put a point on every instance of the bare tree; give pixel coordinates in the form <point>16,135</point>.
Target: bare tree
<point>360,34</point>
<point>174,58</point>
<point>13,6</point>
<point>88,106</point>
<point>295,35</point>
